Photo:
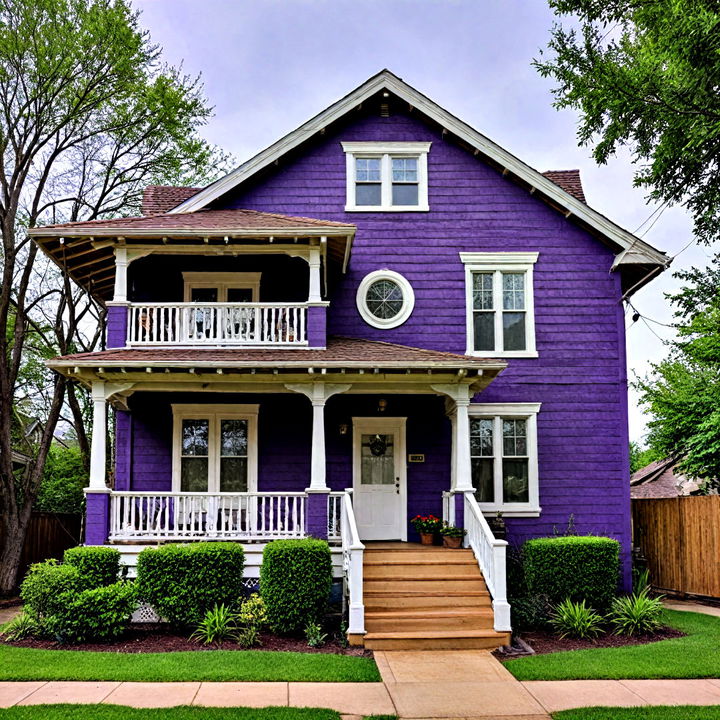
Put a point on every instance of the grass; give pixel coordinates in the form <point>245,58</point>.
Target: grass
<point>213,665</point>
<point>118,712</point>
<point>681,712</point>
<point>693,656</point>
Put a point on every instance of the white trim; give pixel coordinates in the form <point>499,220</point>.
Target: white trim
<point>214,413</point>
<point>520,411</point>
<point>223,281</point>
<point>408,299</point>
<point>384,151</point>
<point>497,263</point>
<point>398,425</point>
<point>388,81</point>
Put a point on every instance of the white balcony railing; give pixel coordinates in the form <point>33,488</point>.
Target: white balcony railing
<point>206,516</point>
<point>335,516</point>
<point>217,324</point>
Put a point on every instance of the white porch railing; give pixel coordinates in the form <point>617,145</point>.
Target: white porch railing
<point>490,554</point>
<point>206,516</point>
<point>217,324</point>
<point>334,516</point>
<point>352,551</point>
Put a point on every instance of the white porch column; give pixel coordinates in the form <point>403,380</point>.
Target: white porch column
<point>463,465</point>
<point>121,265</point>
<point>314,263</point>
<point>98,444</point>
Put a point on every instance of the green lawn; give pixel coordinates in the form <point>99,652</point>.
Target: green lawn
<point>118,712</point>
<point>694,656</point>
<point>221,665</point>
<point>683,712</point>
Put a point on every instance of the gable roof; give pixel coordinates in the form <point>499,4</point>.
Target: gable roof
<point>661,479</point>
<point>569,181</point>
<point>631,249</point>
<point>161,198</point>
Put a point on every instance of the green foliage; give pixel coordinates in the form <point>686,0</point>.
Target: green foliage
<point>530,612</point>
<point>636,614</point>
<point>452,531</point>
<point>642,457</point>
<point>295,582</point>
<point>20,627</point>
<point>253,611</point>
<point>574,567</point>
<point>219,624</point>
<point>576,620</point>
<point>64,478</point>
<point>643,76</point>
<point>183,582</point>
<point>99,614</point>
<point>97,565</point>
<point>314,635</point>
<point>641,580</point>
<point>44,588</point>
<point>248,636</point>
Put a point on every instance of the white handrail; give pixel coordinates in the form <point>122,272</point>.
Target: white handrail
<point>490,554</point>
<point>192,323</point>
<point>352,551</point>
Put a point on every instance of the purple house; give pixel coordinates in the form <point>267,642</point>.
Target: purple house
<point>383,314</point>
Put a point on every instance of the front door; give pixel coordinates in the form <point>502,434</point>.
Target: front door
<point>379,478</point>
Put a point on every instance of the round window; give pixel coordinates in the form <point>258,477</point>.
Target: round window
<point>385,299</point>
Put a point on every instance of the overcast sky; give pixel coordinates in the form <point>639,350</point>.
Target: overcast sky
<point>269,65</point>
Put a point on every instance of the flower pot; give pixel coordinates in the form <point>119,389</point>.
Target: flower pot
<point>452,542</point>
<point>426,538</point>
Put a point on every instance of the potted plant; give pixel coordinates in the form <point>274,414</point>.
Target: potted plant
<point>427,526</point>
<point>452,536</point>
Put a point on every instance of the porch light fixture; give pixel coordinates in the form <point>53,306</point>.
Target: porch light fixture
<point>343,429</point>
<point>382,405</point>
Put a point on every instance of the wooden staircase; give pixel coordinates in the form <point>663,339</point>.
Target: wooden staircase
<point>420,597</point>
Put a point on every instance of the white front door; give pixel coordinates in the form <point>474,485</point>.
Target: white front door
<point>379,478</point>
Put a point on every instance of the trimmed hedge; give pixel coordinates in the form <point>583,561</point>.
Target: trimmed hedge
<point>575,567</point>
<point>44,587</point>
<point>295,583</point>
<point>98,566</point>
<point>183,582</point>
<point>99,614</point>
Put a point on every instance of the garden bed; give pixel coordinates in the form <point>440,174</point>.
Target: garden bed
<point>154,638</point>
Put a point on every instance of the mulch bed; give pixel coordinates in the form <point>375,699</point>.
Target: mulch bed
<point>547,642</point>
<point>150,638</point>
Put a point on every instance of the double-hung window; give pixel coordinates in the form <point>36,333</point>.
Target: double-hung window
<point>503,453</point>
<point>215,448</point>
<point>500,306</point>
<point>386,176</point>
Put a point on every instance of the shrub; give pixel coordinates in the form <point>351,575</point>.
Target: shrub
<point>636,614</point>
<point>101,613</point>
<point>295,582</point>
<point>575,619</point>
<point>253,611</point>
<point>64,477</point>
<point>219,624</point>
<point>314,635</point>
<point>20,627</point>
<point>575,567</point>
<point>44,586</point>
<point>248,636</point>
<point>97,565</point>
<point>530,612</point>
<point>183,582</point>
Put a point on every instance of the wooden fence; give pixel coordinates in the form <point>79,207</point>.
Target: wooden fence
<point>680,537</point>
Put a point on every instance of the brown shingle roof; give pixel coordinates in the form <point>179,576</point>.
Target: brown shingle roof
<point>340,352</point>
<point>568,180</point>
<point>161,198</point>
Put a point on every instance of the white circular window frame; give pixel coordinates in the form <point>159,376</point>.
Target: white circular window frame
<point>408,299</point>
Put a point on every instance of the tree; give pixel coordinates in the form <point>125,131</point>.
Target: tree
<point>88,117</point>
<point>641,457</point>
<point>682,392</point>
<point>644,74</point>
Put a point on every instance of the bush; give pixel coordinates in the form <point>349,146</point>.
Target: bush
<point>20,627</point>
<point>64,477</point>
<point>531,612</point>
<point>45,585</point>
<point>183,582</point>
<point>636,614</point>
<point>99,614</point>
<point>576,568</point>
<point>98,566</point>
<point>295,582</point>
<point>219,624</point>
<point>575,619</point>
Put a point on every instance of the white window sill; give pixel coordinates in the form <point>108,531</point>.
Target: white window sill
<point>508,511</point>
<point>391,208</point>
<point>503,353</point>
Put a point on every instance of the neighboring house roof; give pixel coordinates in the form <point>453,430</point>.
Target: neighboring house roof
<point>661,479</point>
<point>568,180</point>
<point>161,198</point>
<point>631,249</point>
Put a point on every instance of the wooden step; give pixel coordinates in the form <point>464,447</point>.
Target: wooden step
<point>413,558</point>
<point>436,640</point>
<point>424,585</point>
<point>429,620</point>
<point>402,573</point>
<point>414,601</point>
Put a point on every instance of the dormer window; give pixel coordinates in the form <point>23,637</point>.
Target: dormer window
<point>387,177</point>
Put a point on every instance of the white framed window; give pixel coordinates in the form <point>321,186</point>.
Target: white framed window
<point>385,299</point>
<point>221,287</point>
<point>214,448</point>
<point>500,308</point>
<point>388,177</point>
<point>504,457</point>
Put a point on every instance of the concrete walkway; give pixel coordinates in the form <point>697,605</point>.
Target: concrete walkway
<point>690,606</point>
<point>442,684</point>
